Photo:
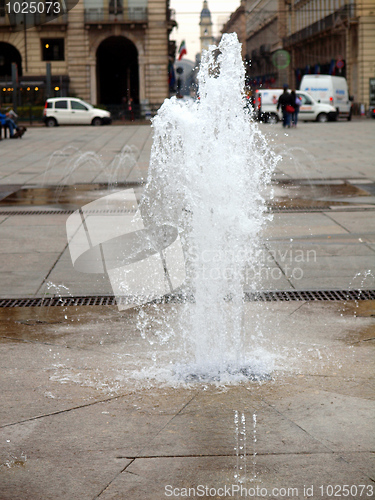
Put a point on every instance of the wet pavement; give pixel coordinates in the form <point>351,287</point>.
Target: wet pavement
<point>77,423</point>
<point>90,407</point>
<point>318,194</point>
<point>63,197</point>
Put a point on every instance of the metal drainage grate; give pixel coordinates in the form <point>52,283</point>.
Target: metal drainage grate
<point>106,300</point>
<point>322,295</point>
<point>275,208</point>
<point>276,296</point>
<point>336,208</point>
<point>64,212</point>
<point>270,209</point>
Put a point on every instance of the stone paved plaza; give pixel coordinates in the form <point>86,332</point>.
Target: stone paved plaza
<point>85,411</point>
<point>331,164</point>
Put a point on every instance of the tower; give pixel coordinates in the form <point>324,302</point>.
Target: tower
<point>206,27</point>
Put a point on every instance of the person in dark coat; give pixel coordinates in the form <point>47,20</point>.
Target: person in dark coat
<point>284,101</point>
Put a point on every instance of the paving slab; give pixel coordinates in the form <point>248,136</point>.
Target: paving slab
<point>215,434</point>
<point>326,283</point>
<point>349,417</point>
<point>34,220</point>
<point>315,247</point>
<point>38,239</point>
<point>307,148</point>
<point>28,263</point>
<point>325,266</point>
<point>20,284</point>
<point>292,225</point>
<point>80,475</point>
<point>355,222</point>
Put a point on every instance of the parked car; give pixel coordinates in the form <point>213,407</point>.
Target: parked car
<point>328,89</point>
<point>310,110</point>
<point>72,111</point>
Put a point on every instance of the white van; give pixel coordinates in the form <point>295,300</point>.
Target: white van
<point>310,110</point>
<point>329,90</point>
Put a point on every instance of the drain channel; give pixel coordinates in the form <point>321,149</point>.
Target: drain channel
<point>64,212</point>
<point>336,208</point>
<point>274,296</point>
<point>270,209</point>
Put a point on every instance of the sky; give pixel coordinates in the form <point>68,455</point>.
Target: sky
<point>188,17</point>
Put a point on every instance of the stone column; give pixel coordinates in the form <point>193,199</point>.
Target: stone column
<point>156,68</point>
<point>141,71</point>
<point>93,83</point>
<point>77,52</point>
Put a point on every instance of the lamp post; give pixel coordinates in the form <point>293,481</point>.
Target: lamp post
<point>15,85</point>
<point>48,80</point>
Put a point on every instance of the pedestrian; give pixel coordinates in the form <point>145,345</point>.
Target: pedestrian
<point>6,121</point>
<point>124,102</point>
<point>286,103</point>
<point>297,103</point>
<point>131,109</point>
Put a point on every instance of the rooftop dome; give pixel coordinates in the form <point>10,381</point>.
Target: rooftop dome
<point>205,12</point>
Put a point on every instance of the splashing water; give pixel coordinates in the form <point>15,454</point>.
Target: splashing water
<point>240,448</point>
<point>209,165</point>
<point>70,166</point>
<point>362,281</point>
<point>254,446</point>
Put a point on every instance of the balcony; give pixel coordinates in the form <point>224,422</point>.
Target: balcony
<point>120,15</point>
<point>332,21</point>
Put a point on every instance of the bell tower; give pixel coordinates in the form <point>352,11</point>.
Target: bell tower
<point>206,27</point>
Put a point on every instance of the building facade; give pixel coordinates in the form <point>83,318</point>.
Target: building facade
<point>286,39</point>
<point>237,24</point>
<point>262,43</point>
<point>331,37</point>
<point>103,51</point>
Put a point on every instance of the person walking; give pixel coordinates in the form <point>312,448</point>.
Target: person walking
<point>286,103</point>
<point>297,104</point>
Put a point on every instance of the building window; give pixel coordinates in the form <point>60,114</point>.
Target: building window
<point>115,7</point>
<point>53,49</point>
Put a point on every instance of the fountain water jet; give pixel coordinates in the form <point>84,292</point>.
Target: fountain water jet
<point>209,164</point>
